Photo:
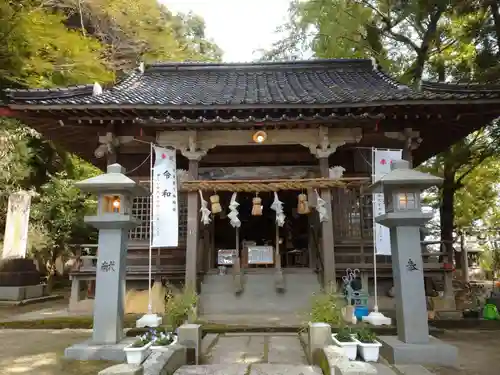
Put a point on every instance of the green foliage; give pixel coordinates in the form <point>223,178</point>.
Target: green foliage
<point>46,44</point>
<point>326,307</point>
<point>345,334</point>
<point>180,306</point>
<point>366,335</point>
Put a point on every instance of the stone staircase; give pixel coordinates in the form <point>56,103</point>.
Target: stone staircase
<point>259,298</point>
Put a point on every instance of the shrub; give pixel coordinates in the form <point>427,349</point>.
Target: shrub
<point>326,307</point>
<point>344,334</point>
<point>180,306</point>
<point>366,335</point>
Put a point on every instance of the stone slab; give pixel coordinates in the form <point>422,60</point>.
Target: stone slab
<point>165,362</point>
<point>237,349</point>
<point>213,370</point>
<point>384,369</point>
<point>208,341</point>
<point>354,368</point>
<point>436,352</point>
<point>413,370</point>
<point>122,369</point>
<point>286,350</point>
<point>88,351</point>
<point>282,369</point>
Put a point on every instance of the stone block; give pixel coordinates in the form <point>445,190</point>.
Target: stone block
<point>88,351</point>
<point>190,337</point>
<point>354,368</point>
<point>165,362</point>
<point>122,369</point>
<point>320,335</point>
<point>442,303</point>
<point>12,293</point>
<point>34,291</point>
<point>329,356</point>
<point>435,352</point>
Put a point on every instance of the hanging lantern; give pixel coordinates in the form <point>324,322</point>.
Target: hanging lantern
<point>257,206</point>
<point>303,205</point>
<point>214,200</point>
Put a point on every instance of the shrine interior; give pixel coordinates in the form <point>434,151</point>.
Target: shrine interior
<point>294,235</point>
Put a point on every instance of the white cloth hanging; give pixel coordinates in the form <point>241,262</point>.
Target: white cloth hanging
<point>277,206</point>
<point>233,214</point>
<point>205,212</point>
<point>320,207</point>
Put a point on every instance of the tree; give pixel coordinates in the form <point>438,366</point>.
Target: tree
<point>46,43</point>
<point>59,212</point>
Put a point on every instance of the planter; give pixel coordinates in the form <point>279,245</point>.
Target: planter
<point>135,356</point>
<point>369,351</point>
<point>351,347</point>
<point>160,348</point>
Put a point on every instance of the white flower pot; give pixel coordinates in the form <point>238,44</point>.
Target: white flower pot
<point>369,352</point>
<point>351,348</point>
<point>135,356</point>
<point>160,348</point>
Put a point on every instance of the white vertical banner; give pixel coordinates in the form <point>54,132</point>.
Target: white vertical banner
<point>165,223</point>
<point>381,165</point>
<point>16,228</point>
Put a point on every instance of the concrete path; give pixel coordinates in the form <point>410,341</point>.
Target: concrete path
<point>252,354</point>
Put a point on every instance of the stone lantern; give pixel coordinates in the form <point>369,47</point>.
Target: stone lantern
<point>115,193</point>
<point>402,188</point>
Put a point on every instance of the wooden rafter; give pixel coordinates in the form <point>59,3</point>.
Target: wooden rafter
<point>255,186</point>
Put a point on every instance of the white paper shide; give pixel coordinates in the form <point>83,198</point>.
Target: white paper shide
<point>382,160</point>
<point>165,221</point>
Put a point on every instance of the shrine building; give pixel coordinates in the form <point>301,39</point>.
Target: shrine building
<point>257,128</point>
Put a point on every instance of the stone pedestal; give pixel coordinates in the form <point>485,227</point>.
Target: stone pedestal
<point>434,352</point>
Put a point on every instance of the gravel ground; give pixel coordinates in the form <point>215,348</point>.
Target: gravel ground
<point>41,352</point>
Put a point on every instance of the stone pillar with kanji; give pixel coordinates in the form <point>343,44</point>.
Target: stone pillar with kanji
<point>113,219</point>
<point>404,217</point>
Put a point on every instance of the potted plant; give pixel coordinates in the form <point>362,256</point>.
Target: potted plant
<point>139,350</point>
<point>163,340</point>
<point>368,345</point>
<point>346,339</point>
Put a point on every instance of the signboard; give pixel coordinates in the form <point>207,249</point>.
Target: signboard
<point>260,255</point>
<point>165,223</point>
<point>381,165</point>
<point>16,228</point>
<point>225,257</point>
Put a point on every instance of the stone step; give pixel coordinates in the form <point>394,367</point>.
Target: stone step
<point>259,294</point>
<point>255,369</point>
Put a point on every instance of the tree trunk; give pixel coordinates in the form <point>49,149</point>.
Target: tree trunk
<point>448,211</point>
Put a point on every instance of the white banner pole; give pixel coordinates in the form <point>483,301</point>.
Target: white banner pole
<point>150,295</point>
<point>375,284</point>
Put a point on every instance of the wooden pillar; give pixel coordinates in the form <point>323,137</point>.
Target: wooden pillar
<point>193,209</point>
<point>327,240</point>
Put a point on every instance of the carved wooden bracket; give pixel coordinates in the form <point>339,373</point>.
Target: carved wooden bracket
<point>409,136</point>
<point>330,139</point>
<point>108,144</point>
<point>324,139</point>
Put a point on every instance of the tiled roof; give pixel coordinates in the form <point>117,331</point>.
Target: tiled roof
<point>305,83</point>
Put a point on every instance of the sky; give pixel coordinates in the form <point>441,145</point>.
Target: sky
<point>239,27</point>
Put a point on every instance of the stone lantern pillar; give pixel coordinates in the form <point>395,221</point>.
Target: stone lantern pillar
<point>114,219</point>
<point>403,215</point>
